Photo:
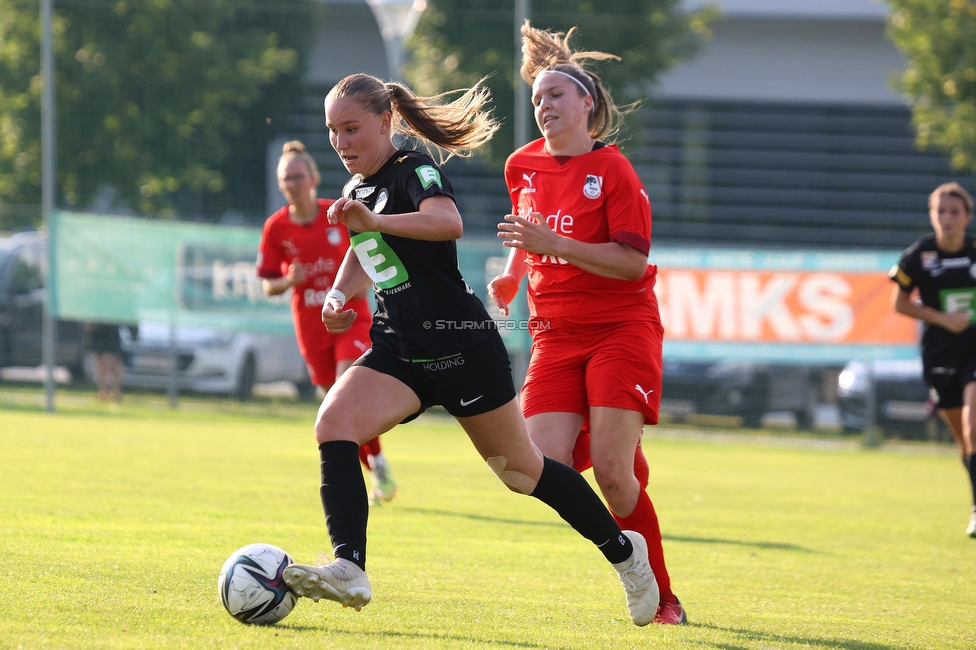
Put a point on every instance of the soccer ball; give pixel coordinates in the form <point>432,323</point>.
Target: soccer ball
<point>251,586</point>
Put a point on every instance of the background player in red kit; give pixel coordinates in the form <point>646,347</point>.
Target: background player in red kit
<point>582,231</point>
<point>299,249</point>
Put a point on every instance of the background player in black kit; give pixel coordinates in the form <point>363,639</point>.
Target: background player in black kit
<point>430,341</point>
<point>942,266</point>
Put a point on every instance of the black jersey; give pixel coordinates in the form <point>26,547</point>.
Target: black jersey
<point>946,282</point>
<point>424,309</point>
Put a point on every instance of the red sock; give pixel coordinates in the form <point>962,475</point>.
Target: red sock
<point>371,448</point>
<point>641,470</point>
<point>364,456</point>
<point>581,452</point>
<point>582,462</point>
<point>644,520</point>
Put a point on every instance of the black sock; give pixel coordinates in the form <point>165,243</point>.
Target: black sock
<point>970,463</point>
<point>344,500</point>
<point>566,491</point>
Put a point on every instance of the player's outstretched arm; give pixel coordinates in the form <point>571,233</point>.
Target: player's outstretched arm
<point>903,304</point>
<point>437,219</point>
<point>610,260</point>
<point>503,288</point>
<point>294,277</point>
<point>351,280</point>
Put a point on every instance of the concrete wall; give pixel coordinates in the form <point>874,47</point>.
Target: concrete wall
<point>792,50</point>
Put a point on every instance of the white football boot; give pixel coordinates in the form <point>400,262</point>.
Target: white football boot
<point>643,594</point>
<point>342,581</point>
<point>971,528</point>
<point>384,487</point>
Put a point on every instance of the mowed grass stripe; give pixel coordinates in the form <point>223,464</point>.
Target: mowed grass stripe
<point>116,523</point>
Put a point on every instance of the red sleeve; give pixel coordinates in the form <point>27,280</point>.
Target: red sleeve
<point>513,188</point>
<point>632,239</point>
<point>629,212</point>
<point>270,260</point>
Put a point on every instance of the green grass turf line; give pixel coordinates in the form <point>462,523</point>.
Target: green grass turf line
<point>114,522</point>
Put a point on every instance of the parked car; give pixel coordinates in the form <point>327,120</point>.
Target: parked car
<point>211,360</point>
<point>901,398</point>
<point>23,267</point>
<point>739,388</point>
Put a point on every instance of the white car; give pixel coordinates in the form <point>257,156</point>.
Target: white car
<point>902,404</point>
<point>211,360</point>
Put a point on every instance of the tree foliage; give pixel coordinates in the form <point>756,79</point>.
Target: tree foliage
<point>165,101</point>
<point>938,37</point>
<point>458,42</point>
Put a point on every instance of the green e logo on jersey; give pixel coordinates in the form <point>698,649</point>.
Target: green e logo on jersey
<point>428,176</point>
<point>959,300</point>
<point>379,261</point>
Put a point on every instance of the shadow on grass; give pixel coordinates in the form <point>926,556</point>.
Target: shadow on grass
<point>749,639</point>
<point>559,524</point>
<point>474,517</point>
<point>431,636</point>
<point>752,639</point>
<point>737,542</point>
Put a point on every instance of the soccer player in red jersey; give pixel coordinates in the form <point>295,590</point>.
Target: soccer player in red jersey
<point>300,250</point>
<point>941,267</point>
<point>581,229</point>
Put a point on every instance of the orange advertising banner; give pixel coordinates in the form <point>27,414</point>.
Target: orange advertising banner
<point>824,307</point>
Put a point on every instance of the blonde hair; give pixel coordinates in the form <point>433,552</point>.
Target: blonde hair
<point>952,189</point>
<point>457,127</point>
<point>295,150</point>
<point>544,50</point>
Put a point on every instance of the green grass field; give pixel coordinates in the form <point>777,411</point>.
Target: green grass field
<point>116,520</point>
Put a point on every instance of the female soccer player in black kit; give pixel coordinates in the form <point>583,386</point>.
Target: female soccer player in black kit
<point>942,266</point>
<point>430,342</point>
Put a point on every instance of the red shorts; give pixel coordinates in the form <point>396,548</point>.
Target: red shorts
<point>575,366</point>
<point>333,348</point>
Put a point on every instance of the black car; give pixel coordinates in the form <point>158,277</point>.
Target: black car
<point>740,389</point>
<point>22,294</point>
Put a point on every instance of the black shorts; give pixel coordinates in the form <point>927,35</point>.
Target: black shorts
<point>468,383</point>
<point>947,382</point>
<point>105,339</point>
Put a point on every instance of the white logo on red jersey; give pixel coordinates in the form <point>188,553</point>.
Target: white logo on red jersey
<point>593,187</point>
<point>289,246</point>
<point>528,179</point>
<point>334,236</point>
<point>314,298</point>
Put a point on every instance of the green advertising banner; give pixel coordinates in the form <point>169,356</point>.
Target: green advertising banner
<point>126,270</point>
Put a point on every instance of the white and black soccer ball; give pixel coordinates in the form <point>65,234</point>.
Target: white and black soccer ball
<point>252,587</point>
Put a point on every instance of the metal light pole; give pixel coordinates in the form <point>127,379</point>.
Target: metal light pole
<point>396,19</point>
<point>522,10</point>
<point>47,192</point>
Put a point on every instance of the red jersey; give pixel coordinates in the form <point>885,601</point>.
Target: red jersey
<point>595,198</point>
<point>320,247</point>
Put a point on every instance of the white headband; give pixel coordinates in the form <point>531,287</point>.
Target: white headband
<point>565,74</point>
